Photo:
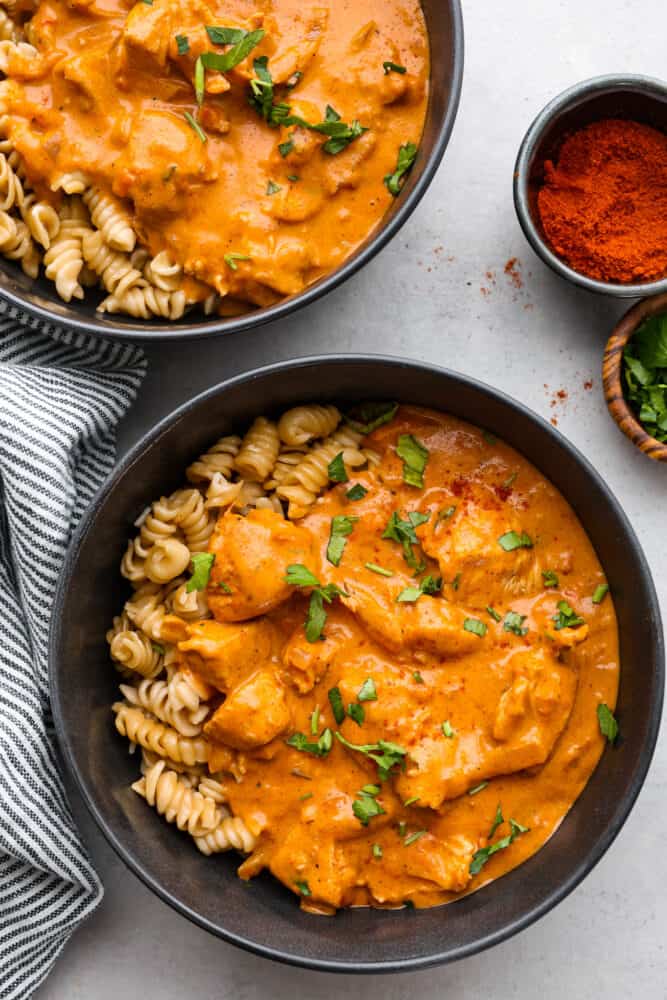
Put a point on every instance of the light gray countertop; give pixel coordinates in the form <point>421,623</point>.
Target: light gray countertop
<point>439,293</point>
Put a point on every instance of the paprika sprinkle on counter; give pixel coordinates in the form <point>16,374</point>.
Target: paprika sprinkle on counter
<point>603,204</point>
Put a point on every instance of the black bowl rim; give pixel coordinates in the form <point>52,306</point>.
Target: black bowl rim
<point>577,94</point>
<point>387,228</point>
<point>406,965</point>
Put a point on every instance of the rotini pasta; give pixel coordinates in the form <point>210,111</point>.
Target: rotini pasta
<point>153,696</point>
<point>109,216</point>
<point>165,560</point>
<point>114,269</point>
<point>219,459</point>
<point>163,740</point>
<point>144,302</point>
<point>304,423</point>
<point>259,451</point>
<point>231,833</point>
<point>311,476</point>
<point>133,650</point>
<point>170,795</point>
<point>41,219</point>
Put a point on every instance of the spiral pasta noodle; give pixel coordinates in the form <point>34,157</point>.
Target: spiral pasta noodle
<point>259,451</point>
<point>114,269</point>
<point>16,243</point>
<point>302,424</point>
<point>311,476</point>
<point>163,272</point>
<point>133,650</point>
<point>191,606</point>
<point>177,802</point>
<point>63,261</point>
<point>11,188</point>
<point>153,696</point>
<point>163,740</point>
<point>218,459</point>
<point>231,833</point>
<point>165,560</point>
<point>110,217</point>
<point>191,516</point>
<point>146,609</point>
<point>41,219</point>
<point>145,302</point>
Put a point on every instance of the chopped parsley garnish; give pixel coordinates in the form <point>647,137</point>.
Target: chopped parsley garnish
<point>385,754</point>
<point>600,593</point>
<point>294,79</point>
<point>169,172</point>
<point>299,741</point>
<point>356,712</point>
<point>272,187</point>
<point>567,617</point>
<point>513,540</point>
<point>158,648</point>
<point>510,481</point>
<point>285,148</point>
<point>429,585</point>
<point>225,36</point>
<point>224,587</point>
<point>303,798</point>
<point>411,802</point>
<point>315,721</point>
<point>241,48</point>
<point>202,563</point>
<point>415,457</point>
<point>478,788</point>
<point>475,626</point>
<point>402,827</point>
<point>446,513</point>
<point>417,677</point>
<point>489,437</point>
<point>607,723</point>
<point>336,702</point>
<point>336,469</point>
<point>494,614</point>
<point>182,44</point>
<point>374,568</point>
<point>498,820</point>
<point>356,492</point>
<point>365,806</point>
<point>514,623</point>
<point>341,527</point>
<point>377,851</point>
<point>300,576</point>
<point>645,375</point>
<point>367,417</point>
<point>403,532</point>
<point>447,730</point>
<point>340,134</point>
<point>391,67</point>
<point>406,157</point>
<point>456,582</point>
<point>413,837</point>
<point>293,177</point>
<point>481,856</point>
<point>367,691</point>
<point>199,80</point>
<point>195,126</point>
<point>550,578</point>
<point>232,258</point>
<point>303,888</point>
<point>261,94</point>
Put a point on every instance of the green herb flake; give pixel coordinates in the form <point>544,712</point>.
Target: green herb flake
<point>374,568</point>
<point>182,44</point>
<point>158,648</point>
<point>224,587</point>
<point>414,837</point>
<point>336,469</point>
<point>196,128</point>
<point>498,820</point>
<point>367,691</point>
<point>299,741</point>
<point>223,62</point>
<point>510,481</point>
<point>607,722</point>
<point>225,36</point>
<point>391,67</point>
<point>567,617</point>
<point>415,456</point>
<point>294,79</point>
<point>356,492</point>
<point>410,802</point>
<point>514,623</point>
<point>337,706</point>
<point>409,595</point>
<point>446,513</point>
<point>285,148</point>
<point>512,540</point>
<point>417,677</point>
<point>550,578</point>
<point>403,532</point>
<point>356,712</point>
<point>478,788</point>
<point>202,563</point>
<point>298,575</point>
<point>481,856</point>
<point>367,417</point>
<point>475,626</point>
<point>377,851</point>
<point>293,177</point>
<point>600,593</point>
<point>366,807</point>
<point>315,721</point>
<point>341,527</point>
<point>407,154</point>
<point>645,375</point>
<point>447,730</point>
<point>232,258</point>
<point>303,798</point>
<point>272,187</point>
<point>303,888</point>
<point>200,81</point>
<point>494,614</point>
<point>402,828</point>
<point>385,754</point>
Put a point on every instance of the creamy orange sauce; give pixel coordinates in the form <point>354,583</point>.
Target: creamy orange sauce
<point>108,96</point>
<point>520,709</point>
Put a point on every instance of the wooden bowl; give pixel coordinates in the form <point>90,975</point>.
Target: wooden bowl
<point>612,371</point>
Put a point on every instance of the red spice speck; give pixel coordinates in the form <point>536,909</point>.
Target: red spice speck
<point>588,384</point>
<point>513,271</point>
<point>554,421</point>
<point>562,394</point>
<point>502,492</point>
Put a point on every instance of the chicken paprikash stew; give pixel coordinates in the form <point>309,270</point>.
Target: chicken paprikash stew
<point>376,653</point>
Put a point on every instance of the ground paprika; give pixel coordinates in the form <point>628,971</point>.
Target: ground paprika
<point>603,205</point>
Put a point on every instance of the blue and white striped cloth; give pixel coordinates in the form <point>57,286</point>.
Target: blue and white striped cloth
<point>61,397</point>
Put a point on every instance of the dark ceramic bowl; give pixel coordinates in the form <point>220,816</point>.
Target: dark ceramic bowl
<point>639,98</point>
<point>445,27</point>
<point>263,916</point>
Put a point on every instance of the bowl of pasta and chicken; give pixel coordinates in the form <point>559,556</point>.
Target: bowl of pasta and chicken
<point>374,654</point>
<point>175,170</point>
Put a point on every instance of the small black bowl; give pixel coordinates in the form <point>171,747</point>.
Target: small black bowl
<point>262,916</point>
<point>444,23</point>
<point>630,96</point>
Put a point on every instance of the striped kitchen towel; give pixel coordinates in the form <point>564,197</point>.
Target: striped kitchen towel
<point>61,397</point>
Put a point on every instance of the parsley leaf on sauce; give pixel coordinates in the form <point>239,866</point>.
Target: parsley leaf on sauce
<point>336,469</point>
<point>299,741</point>
<point>391,67</point>
<point>285,148</point>
<point>232,258</point>
<point>356,492</point>
<point>600,593</point>
<point>224,61</point>
<point>202,563</point>
<point>341,527</point>
<point>429,585</point>
<point>182,44</point>
<point>272,187</point>
<point>303,888</point>
<point>196,128</point>
<point>299,575</point>
<point>475,626</point>
<point>550,578</point>
<point>498,820</point>
<point>368,691</point>
<point>607,722</point>
<point>384,753</point>
<point>367,417</point>
<point>513,540</point>
<point>481,856</point>
<point>403,532</point>
<point>567,617</point>
<point>374,568</point>
<point>356,712</point>
<point>406,157</point>
<point>494,614</point>
<point>447,729</point>
<point>514,623</point>
<point>365,806</point>
<point>336,702</point>
<point>415,456</point>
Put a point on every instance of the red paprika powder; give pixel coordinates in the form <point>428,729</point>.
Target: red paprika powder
<point>603,205</point>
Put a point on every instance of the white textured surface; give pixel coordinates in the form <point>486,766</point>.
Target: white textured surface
<point>422,302</point>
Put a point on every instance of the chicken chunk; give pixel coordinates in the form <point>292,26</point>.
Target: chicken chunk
<point>430,864</point>
<point>530,716</point>
<point>225,654</point>
<point>252,555</point>
<point>252,715</point>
